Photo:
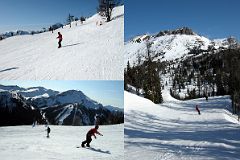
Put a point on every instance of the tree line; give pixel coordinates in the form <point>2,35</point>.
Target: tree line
<point>145,76</point>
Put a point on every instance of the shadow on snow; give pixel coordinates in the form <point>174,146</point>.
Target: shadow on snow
<point>8,69</point>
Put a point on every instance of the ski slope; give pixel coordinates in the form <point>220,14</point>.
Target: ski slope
<point>89,51</point>
<point>175,131</point>
<point>27,143</point>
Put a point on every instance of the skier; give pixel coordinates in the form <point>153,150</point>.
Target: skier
<point>51,29</point>
<point>197,109</point>
<point>89,135</point>
<point>206,97</point>
<point>82,19</point>
<point>48,131</point>
<point>34,123</point>
<point>60,40</point>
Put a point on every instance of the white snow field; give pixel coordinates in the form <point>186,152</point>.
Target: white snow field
<point>175,131</point>
<point>27,143</point>
<point>89,51</point>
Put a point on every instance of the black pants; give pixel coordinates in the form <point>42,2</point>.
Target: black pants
<point>59,44</point>
<point>48,134</point>
<point>88,140</point>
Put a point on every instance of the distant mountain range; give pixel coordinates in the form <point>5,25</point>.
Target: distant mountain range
<point>21,32</point>
<point>24,105</point>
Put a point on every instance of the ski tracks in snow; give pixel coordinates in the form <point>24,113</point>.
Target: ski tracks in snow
<point>174,130</point>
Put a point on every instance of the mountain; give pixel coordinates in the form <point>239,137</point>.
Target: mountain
<point>75,108</point>
<point>89,51</point>
<point>71,107</point>
<point>70,96</point>
<point>10,88</point>
<point>15,110</point>
<point>78,114</point>
<point>189,65</point>
<point>171,45</point>
<point>31,92</point>
<point>35,92</point>
<point>14,33</point>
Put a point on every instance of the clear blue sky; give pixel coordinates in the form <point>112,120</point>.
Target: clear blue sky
<point>211,18</point>
<point>105,92</point>
<point>35,14</point>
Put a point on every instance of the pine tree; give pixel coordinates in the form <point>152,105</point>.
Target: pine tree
<point>152,85</point>
<point>105,8</point>
<point>70,19</point>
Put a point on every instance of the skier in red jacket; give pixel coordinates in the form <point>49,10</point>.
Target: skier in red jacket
<point>197,109</point>
<point>89,135</point>
<point>60,40</point>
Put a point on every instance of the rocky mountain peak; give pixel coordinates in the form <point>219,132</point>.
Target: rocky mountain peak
<point>184,30</point>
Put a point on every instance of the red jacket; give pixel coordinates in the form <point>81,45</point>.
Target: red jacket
<point>93,131</point>
<point>59,37</point>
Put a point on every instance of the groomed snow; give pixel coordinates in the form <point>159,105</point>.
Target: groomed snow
<point>27,143</point>
<point>175,131</point>
<point>89,52</point>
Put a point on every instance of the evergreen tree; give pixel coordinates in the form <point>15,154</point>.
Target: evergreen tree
<point>70,19</point>
<point>105,8</point>
<point>152,85</point>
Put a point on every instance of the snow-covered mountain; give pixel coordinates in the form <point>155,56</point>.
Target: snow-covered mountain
<point>89,51</point>
<point>11,88</point>
<point>67,108</point>
<point>15,110</point>
<point>78,114</point>
<point>75,108</point>
<point>70,96</point>
<point>14,33</point>
<point>31,92</point>
<point>112,108</point>
<point>171,45</point>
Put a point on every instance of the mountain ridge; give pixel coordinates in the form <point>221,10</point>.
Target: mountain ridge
<point>172,44</point>
<point>71,107</point>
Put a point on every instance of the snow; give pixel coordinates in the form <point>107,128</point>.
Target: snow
<point>174,130</point>
<point>89,52</point>
<point>70,96</point>
<point>174,46</point>
<point>64,114</point>
<point>27,143</point>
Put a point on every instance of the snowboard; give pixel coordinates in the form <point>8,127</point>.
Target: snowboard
<point>82,147</point>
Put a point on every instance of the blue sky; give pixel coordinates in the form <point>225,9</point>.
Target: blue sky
<point>33,14</point>
<point>211,18</point>
<point>105,92</point>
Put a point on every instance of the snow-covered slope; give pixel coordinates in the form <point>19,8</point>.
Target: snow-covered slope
<point>89,52</point>
<point>175,131</point>
<point>27,143</point>
<point>169,46</point>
